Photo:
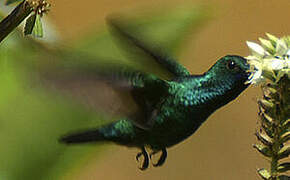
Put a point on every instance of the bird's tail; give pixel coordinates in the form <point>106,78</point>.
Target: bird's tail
<point>121,132</point>
<point>83,137</point>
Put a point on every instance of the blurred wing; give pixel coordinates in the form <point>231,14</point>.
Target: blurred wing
<point>145,89</point>
<point>162,59</point>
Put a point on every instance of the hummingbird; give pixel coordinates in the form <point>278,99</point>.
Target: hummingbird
<point>169,110</point>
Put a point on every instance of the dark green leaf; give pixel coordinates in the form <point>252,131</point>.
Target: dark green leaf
<point>285,137</point>
<point>284,167</point>
<point>268,130</point>
<point>266,104</point>
<point>286,124</point>
<point>29,24</point>
<point>284,152</point>
<point>284,177</point>
<point>266,119</point>
<point>266,140</point>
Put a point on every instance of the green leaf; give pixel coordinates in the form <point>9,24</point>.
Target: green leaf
<point>286,124</point>
<point>284,167</point>
<point>284,152</point>
<point>264,174</point>
<point>266,104</point>
<point>29,24</point>
<point>268,130</point>
<point>37,30</point>
<point>8,2</point>
<point>266,119</point>
<point>266,140</point>
<point>266,151</point>
<point>285,137</point>
<point>33,26</point>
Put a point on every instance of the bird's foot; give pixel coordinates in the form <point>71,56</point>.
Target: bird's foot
<point>162,158</point>
<point>145,163</point>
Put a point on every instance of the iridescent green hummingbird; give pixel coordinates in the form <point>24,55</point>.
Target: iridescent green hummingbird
<point>171,110</point>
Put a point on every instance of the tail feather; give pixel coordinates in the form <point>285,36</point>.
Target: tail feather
<point>83,137</point>
<point>121,132</point>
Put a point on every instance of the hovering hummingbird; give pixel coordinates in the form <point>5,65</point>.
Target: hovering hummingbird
<point>169,110</point>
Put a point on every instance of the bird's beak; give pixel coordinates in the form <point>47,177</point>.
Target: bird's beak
<point>249,76</point>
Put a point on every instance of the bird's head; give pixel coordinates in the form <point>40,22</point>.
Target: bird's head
<point>229,76</point>
<point>231,69</point>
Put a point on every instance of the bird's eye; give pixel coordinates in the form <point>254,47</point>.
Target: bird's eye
<point>231,65</point>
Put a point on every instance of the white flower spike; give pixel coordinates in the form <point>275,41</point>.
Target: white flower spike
<point>270,60</point>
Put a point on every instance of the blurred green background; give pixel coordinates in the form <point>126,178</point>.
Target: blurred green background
<point>33,116</point>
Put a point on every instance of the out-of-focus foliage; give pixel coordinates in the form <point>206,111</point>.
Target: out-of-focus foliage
<point>11,1</point>
<point>33,118</point>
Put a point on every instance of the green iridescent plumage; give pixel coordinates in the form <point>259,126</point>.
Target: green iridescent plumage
<point>169,110</point>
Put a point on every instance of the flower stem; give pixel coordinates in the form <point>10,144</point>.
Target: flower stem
<point>8,24</point>
<point>277,97</point>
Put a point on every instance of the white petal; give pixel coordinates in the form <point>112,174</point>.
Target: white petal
<point>256,49</point>
<point>287,64</point>
<point>277,64</point>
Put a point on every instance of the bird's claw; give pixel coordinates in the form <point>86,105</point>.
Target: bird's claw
<point>162,158</point>
<point>145,163</point>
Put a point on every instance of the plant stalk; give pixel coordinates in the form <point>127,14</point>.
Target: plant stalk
<point>8,24</point>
